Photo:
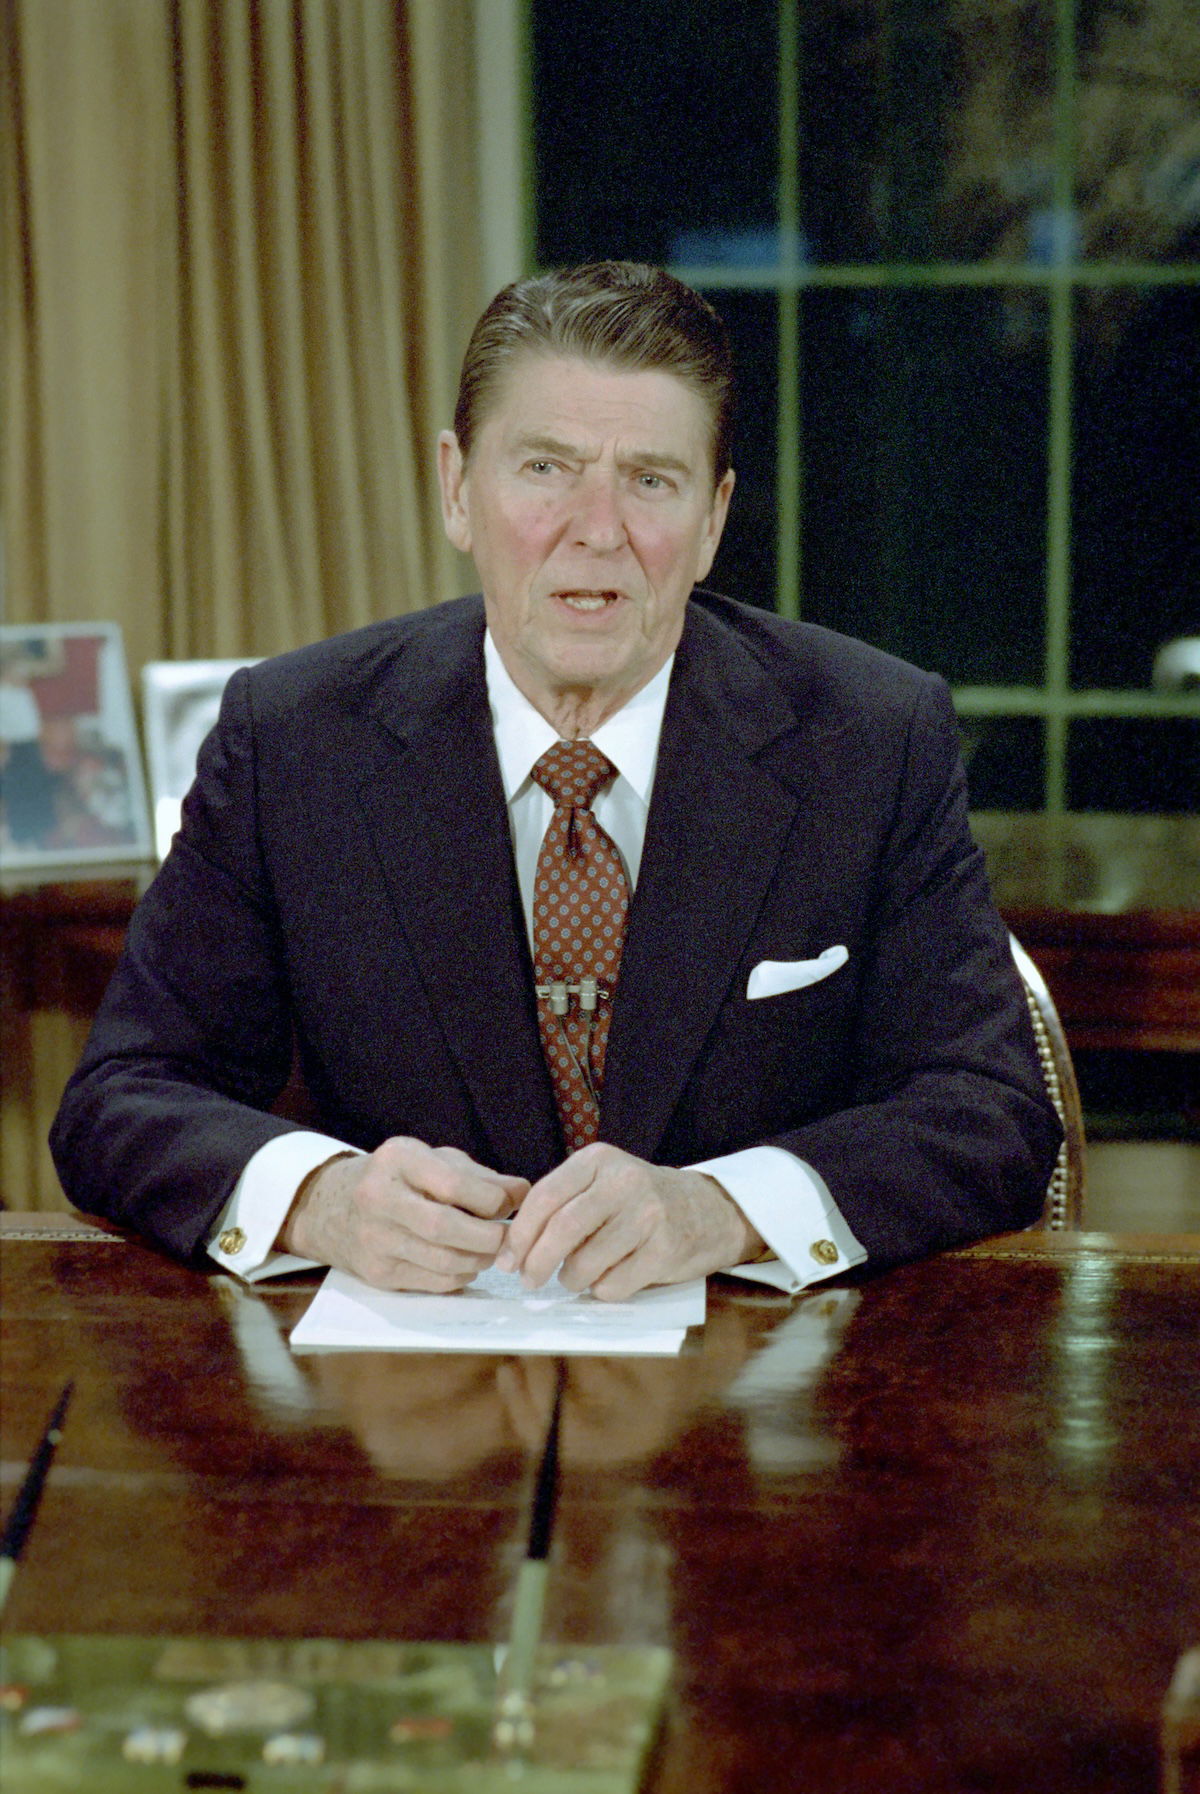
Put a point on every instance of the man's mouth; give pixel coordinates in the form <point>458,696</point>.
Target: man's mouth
<point>584,601</point>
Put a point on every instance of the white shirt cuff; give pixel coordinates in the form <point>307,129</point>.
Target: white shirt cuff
<point>246,1229</point>
<point>790,1205</point>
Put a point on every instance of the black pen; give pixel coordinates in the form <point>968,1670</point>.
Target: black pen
<point>16,1529</point>
<point>513,1729</point>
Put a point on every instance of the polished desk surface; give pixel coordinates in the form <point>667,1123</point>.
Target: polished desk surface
<point>936,1533</point>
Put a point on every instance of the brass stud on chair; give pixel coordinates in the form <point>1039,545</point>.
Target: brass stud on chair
<point>1063,1207</point>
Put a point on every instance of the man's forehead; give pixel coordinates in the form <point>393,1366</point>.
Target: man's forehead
<point>541,399</point>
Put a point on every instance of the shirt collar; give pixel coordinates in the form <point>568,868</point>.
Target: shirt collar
<point>630,738</point>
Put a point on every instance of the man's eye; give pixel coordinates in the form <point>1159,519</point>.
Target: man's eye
<point>653,481</point>
<point>541,466</point>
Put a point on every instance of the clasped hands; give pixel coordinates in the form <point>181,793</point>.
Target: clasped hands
<point>416,1217</point>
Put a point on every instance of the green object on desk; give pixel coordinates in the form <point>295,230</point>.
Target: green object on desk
<point>117,1715</point>
<point>515,1711</point>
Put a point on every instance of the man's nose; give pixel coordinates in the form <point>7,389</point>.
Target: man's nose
<point>599,518</point>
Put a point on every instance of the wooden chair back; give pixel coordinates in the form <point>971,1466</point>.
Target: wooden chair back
<point>1063,1209</point>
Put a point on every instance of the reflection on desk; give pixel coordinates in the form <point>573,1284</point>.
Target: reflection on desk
<point>933,1532</point>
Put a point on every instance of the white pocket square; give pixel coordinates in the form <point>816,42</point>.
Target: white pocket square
<point>772,977</point>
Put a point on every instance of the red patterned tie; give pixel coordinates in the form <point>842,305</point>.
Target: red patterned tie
<point>580,903</point>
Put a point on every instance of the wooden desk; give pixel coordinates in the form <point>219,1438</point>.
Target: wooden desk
<point>1109,908</point>
<point>63,939</point>
<point>932,1535</point>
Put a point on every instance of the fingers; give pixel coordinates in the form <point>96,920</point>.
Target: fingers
<point>411,1216</point>
<point>616,1260</point>
<point>526,1247</point>
<point>613,1224</point>
<point>407,1216</point>
<point>398,1270</point>
<point>446,1174</point>
<point>591,1213</point>
<point>409,1187</point>
<point>625,1279</point>
<point>430,1265</point>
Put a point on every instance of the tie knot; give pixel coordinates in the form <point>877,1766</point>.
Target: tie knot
<point>573,772</point>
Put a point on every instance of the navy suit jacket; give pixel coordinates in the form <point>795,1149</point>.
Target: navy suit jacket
<point>343,885</point>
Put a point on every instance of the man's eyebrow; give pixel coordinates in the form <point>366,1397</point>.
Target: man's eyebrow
<point>656,459</point>
<point>548,445</point>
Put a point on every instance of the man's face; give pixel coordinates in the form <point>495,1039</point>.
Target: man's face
<point>588,506</point>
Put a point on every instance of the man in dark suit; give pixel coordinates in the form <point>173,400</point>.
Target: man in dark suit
<point>817,1050</point>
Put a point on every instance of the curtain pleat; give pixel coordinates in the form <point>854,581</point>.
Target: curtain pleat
<point>240,251</point>
<point>85,267</point>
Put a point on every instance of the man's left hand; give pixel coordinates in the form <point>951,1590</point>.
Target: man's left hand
<point>616,1225</point>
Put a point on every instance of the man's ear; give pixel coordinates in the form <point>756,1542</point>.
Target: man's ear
<point>715,524</point>
<point>451,478</point>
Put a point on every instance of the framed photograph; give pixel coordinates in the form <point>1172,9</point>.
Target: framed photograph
<point>180,701</point>
<point>71,786</point>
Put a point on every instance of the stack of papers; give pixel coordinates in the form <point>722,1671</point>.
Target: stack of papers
<point>498,1314</point>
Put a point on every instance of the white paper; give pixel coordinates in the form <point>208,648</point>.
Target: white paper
<point>497,1313</point>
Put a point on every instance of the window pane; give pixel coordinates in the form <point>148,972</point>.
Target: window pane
<point>1135,764</point>
<point>925,130</point>
<point>745,563</point>
<point>924,418</point>
<point>1138,167</point>
<point>655,132</point>
<point>1004,758</point>
<point>1136,482</point>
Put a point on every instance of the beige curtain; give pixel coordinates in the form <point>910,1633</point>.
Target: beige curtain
<point>238,265</point>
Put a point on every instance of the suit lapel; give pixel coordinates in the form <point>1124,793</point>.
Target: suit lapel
<point>434,804</point>
<point>726,795</point>
<point>724,804</point>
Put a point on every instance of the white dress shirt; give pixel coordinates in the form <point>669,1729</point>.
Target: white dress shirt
<point>782,1197</point>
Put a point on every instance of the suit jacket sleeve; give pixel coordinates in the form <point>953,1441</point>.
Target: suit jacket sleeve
<point>947,1132</point>
<point>169,1101</point>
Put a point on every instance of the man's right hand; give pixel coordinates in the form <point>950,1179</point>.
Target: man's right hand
<point>407,1216</point>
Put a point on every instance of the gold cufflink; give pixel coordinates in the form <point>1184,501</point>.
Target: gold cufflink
<point>824,1251</point>
<point>233,1240</point>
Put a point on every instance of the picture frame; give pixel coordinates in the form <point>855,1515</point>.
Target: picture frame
<point>72,791</point>
<point>180,701</point>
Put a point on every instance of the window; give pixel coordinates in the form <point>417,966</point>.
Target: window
<point>958,248</point>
